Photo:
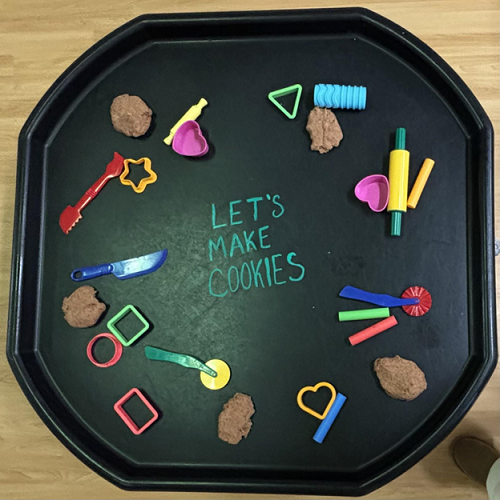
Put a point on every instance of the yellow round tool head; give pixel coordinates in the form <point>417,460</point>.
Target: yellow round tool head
<point>223,375</point>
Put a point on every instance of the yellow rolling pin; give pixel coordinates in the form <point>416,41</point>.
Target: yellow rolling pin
<point>191,114</point>
<point>399,166</point>
<point>420,182</point>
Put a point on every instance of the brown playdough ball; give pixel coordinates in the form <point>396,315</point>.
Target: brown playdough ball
<point>234,420</point>
<point>82,309</point>
<point>400,378</point>
<point>130,115</point>
<point>324,129</point>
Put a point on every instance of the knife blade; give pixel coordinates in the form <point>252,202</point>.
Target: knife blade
<point>123,269</point>
<point>382,300</point>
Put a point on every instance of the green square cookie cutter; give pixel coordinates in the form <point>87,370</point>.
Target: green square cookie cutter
<point>112,328</point>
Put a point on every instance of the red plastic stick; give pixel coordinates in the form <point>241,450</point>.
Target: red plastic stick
<point>373,330</point>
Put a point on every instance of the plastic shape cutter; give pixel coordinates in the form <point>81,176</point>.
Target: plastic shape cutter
<point>276,94</point>
<point>144,182</point>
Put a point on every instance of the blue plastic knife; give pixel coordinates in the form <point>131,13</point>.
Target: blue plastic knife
<point>349,292</point>
<point>124,269</point>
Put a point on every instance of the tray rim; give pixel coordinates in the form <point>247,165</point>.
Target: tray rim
<point>27,141</point>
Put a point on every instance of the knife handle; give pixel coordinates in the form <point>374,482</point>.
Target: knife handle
<point>87,273</point>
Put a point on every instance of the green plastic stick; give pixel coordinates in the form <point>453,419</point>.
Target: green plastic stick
<point>377,312</point>
<point>180,359</point>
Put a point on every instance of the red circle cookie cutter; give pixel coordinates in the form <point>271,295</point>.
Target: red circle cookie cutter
<point>116,356</point>
<point>425,301</point>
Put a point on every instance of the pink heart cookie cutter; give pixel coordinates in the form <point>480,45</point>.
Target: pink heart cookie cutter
<point>373,190</point>
<point>189,140</point>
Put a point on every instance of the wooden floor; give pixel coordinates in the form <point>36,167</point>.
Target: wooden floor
<point>38,40</point>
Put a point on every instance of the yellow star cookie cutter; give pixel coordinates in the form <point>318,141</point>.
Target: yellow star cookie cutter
<point>310,388</point>
<point>144,182</point>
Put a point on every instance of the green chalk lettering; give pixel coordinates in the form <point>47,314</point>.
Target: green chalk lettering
<point>230,280</point>
<point>212,246</point>
<point>289,258</point>
<point>210,288</point>
<point>263,236</point>
<point>236,243</point>
<point>248,240</point>
<point>268,271</point>
<point>255,208</point>
<point>282,208</point>
<point>256,273</point>
<point>276,270</point>
<point>232,213</point>
<point>247,267</point>
<point>214,217</point>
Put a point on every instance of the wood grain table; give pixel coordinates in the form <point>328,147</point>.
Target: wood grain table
<point>38,40</point>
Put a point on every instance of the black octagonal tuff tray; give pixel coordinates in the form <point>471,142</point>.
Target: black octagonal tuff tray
<point>276,339</point>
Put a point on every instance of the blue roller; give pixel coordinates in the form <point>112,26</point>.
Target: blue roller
<point>339,96</point>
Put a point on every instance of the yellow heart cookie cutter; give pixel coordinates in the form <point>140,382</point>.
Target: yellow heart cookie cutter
<point>144,182</point>
<point>310,388</point>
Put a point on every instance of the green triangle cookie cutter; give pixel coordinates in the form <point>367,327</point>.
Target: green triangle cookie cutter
<point>275,94</point>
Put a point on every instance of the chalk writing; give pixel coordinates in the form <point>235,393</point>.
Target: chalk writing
<point>264,272</point>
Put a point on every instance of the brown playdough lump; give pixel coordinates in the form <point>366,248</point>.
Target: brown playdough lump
<point>82,309</point>
<point>400,378</point>
<point>324,129</point>
<point>130,115</point>
<point>234,420</point>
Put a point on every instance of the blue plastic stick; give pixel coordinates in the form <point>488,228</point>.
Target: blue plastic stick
<point>325,425</point>
<point>349,292</point>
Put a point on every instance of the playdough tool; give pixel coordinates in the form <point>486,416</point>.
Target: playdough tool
<point>184,360</point>
<point>191,114</point>
<point>382,312</point>
<point>330,413</point>
<point>189,141</point>
<point>116,356</point>
<point>114,320</point>
<point>420,182</point>
<point>143,182</point>
<point>123,269</point>
<point>373,190</point>
<point>71,215</point>
<point>126,417</point>
<point>324,427</point>
<point>373,330</point>
<point>222,378</point>
<point>399,165</point>
<point>424,297</point>
<point>310,388</point>
<point>276,94</point>
<point>339,96</point>
<point>378,299</point>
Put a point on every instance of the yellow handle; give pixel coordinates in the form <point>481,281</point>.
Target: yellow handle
<point>419,185</point>
<point>191,114</point>
<point>399,165</point>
